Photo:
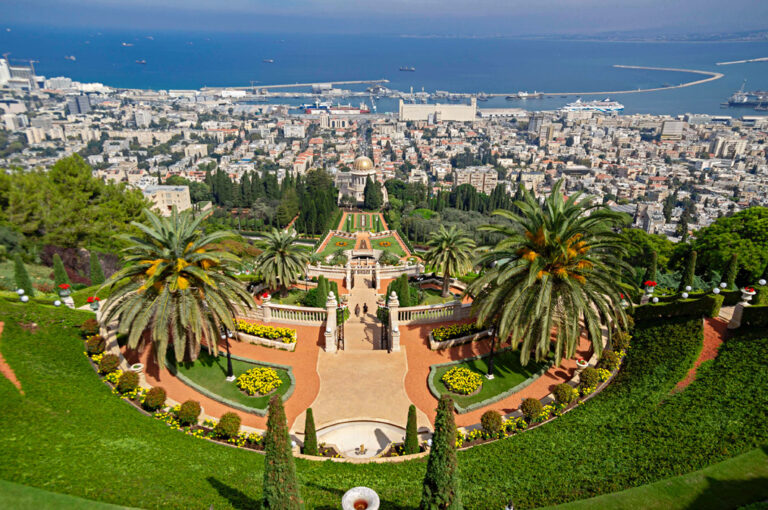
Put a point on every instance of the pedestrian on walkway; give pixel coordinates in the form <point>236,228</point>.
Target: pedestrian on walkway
<point>365,308</point>
<point>357,310</point>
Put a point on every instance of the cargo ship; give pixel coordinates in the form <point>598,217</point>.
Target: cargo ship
<point>339,109</point>
<point>525,95</point>
<point>751,99</point>
<point>605,106</point>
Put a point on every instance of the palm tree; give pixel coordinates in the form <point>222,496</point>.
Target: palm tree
<point>558,266</point>
<point>282,261</point>
<point>451,251</point>
<point>177,286</point>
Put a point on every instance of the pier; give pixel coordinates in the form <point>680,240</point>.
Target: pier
<point>298,85</point>
<point>745,61</point>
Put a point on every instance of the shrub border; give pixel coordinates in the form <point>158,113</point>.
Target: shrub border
<point>236,405</point>
<point>491,400</point>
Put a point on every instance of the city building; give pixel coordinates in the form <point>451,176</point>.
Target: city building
<point>482,178</point>
<point>439,112</point>
<point>165,198</point>
<point>78,105</point>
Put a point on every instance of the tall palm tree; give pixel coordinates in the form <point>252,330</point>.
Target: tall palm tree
<point>451,251</point>
<point>177,286</point>
<point>282,261</point>
<point>559,266</point>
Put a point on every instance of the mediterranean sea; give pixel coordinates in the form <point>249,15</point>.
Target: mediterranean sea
<point>186,60</point>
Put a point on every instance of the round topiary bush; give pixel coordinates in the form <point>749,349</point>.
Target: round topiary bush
<point>89,327</point>
<point>154,399</point>
<point>95,344</point>
<point>531,408</point>
<point>620,340</point>
<point>108,363</point>
<point>189,412</point>
<point>564,393</point>
<point>128,382</point>
<point>228,426</point>
<point>589,378</point>
<point>491,422</point>
<point>608,361</point>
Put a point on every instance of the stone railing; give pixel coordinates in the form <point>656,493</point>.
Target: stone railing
<point>334,272</point>
<point>455,310</point>
<point>290,313</point>
<point>392,272</point>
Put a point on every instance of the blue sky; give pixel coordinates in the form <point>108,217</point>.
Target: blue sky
<point>444,17</point>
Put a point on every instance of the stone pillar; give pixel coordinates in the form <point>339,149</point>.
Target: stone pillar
<point>267,311</point>
<point>349,275</point>
<point>330,323</point>
<point>394,328</point>
<point>738,312</point>
<point>376,276</point>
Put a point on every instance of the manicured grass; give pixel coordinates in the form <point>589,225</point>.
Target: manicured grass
<point>728,484</point>
<point>331,247</point>
<point>424,213</point>
<point>21,497</point>
<point>354,222</point>
<point>434,297</point>
<point>294,297</point>
<point>507,372</point>
<point>70,434</point>
<point>211,372</point>
<point>394,246</point>
<point>37,273</point>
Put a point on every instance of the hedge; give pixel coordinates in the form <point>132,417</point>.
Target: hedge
<point>706,306</point>
<point>755,316</point>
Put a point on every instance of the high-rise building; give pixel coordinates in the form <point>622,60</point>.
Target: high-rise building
<point>143,118</point>
<point>78,105</point>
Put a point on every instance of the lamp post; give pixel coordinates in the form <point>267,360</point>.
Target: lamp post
<point>230,373</point>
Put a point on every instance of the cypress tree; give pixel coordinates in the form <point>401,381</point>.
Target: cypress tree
<point>22,277</point>
<point>690,269</point>
<point>411,433</point>
<point>765,273</point>
<point>59,272</point>
<point>281,487</point>
<point>310,434</point>
<point>97,273</point>
<point>441,482</point>
<point>322,291</point>
<point>652,267</point>
<point>731,270</point>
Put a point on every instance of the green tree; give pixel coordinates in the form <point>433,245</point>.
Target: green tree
<point>97,273</point>
<point>59,271</point>
<point>731,270</point>
<point>440,489</point>
<point>22,276</point>
<point>690,272</point>
<point>322,291</point>
<point>653,264</point>
<point>373,198</point>
<point>411,432</point>
<point>640,244</point>
<point>451,251</point>
<point>558,265</point>
<point>281,487</point>
<point>282,262</point>
<point>310,434</point>
<point>177,285</point>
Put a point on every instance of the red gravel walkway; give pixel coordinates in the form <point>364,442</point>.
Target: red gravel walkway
<point>7,371</point>
<point>715,331</point>
<point>415,339</point>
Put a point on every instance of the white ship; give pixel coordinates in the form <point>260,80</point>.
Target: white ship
<point>606,106</point>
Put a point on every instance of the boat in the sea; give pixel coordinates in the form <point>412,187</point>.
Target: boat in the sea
<point>141,61</point>
<point>70,57</point>
<point>605,106</point>
<point>408,69</point>
<point>269,61</point>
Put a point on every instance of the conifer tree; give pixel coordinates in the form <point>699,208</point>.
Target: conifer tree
<point>690,269</point>
<point>731,270</point>
<point>59,272</point>
<point>411,433</point>
<point>441,482</point>
<point>310,434</point>
<point>322,292</point>
<point>22,277</point>
<point>652,267</point>
<point>281,487</point>
<point>97,273</point>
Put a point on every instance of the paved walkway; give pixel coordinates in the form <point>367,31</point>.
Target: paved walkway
<point>7,371</point>
<point>362,332</point>
<point>715,331</point>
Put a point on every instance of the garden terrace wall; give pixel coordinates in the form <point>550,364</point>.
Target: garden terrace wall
<point>445,344</point>
<point>705,306</point>
<point>455,310</point>
<point>257,340</point>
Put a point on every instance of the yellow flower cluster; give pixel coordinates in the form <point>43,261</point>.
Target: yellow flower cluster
<point>259,381</point>
<point>603,374</point>
<point>113,377</point>
<point>96,357</point>
<point>455,331</point>
<point>284,335</point>
<point>462,380</point>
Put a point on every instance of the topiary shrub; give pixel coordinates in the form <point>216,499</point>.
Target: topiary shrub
<point>228,426</point>
<point>620,340</point>
<point>609,361</point>
<point>531,408</point>
<point>128,382</point>
<point>154,399</point>
<point>491,422</point>
<point>108,363</point>
<point>564,393</point>
<point>189,412</point>
<point>589,378</point>
<point>95,344</point>
<point>89,327</point>
<point>411,444</point>
<point>310,434</point>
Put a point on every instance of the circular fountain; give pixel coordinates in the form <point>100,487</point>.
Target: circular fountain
<point>360,498</point>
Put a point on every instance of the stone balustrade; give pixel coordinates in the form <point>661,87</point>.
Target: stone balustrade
<point>455,310</point>
<point>290,313</point>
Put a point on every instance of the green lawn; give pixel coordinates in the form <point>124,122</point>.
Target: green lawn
<point>507,372</point>
<point>294,297</point>
<point>37,273</point>
<point>331,247</point>
<point>210,373</point>
<point>21,497</point>
<point>435,297</point>
<point>354,222</point>
<point>729,484</point>
<point>394,246</point>
<point>70,434</point>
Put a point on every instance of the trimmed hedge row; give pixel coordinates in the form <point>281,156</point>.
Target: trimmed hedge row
<point>755,316</point>
<point>706,306</point>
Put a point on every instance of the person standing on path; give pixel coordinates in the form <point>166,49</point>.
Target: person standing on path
<point>357,310</point>
<point>365,308</point>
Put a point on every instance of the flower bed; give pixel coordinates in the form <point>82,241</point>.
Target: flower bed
<point>445,344</point>
<point>462,380</point>
<point>259,381</point>
<point>443,333</point>
<point>270,336</point>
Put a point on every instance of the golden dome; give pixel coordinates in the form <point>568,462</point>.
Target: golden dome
<point>363,163</point>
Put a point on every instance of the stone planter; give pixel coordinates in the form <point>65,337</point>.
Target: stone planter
<point>581,364</point>
<point>267,342</point>
<point>94,306</point>
<point>746,295</point>
<point>138,367</point>
<point>360,498</point>
<point>64,292</point>
<point>445,344</point>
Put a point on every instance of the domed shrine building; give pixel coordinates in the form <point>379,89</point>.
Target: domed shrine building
<point>352,183</point>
